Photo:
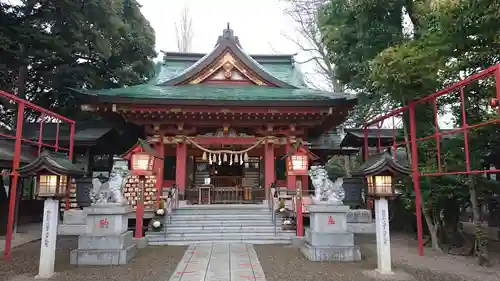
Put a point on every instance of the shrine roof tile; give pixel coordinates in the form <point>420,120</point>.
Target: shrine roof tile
<point>156,93</point>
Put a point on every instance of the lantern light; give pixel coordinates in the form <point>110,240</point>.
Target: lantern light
<point>298,164</point>
<point>142,162</point>
<point>379,171</point>
<point>494,103</point>
<point>380,186</point>
<point>51,186</point>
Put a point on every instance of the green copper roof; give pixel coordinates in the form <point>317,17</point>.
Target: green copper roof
<point>285,72</point>
<point>215,92</point>
<point>167,86</point>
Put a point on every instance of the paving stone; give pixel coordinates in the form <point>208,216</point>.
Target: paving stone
<point>219,262</point>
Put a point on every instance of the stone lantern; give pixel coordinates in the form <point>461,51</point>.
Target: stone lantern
<point>53,172</point>
<point>379,171</point>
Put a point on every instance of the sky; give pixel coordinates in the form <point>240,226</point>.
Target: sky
<point>258,23</point>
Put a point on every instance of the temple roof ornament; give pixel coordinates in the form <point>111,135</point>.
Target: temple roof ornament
<point>228,45</point>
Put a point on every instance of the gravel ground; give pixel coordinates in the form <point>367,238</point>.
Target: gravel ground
<point>150,264</point>
<point>285,263</point>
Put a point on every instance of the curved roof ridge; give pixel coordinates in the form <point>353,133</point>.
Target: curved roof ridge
<point>227,42</point>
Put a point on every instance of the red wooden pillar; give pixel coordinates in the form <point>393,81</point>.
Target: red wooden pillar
<point>290,180</point>
<point>298,207</point>
<point>159,169</point>
<point>305,184</point>
<point>180,168</point>
<point>269,165</point>
<point>139,211</point>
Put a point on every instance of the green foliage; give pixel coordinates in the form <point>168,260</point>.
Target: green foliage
<point>334,169</point>
<point>449,40</point>
<point>281,204</point>
<point>355,32</point>
<point>73,44</point>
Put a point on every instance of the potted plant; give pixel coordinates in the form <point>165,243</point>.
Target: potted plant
<point>161,210</point>
<point>156,225</point>
<point>289,224</point>
<point>281,206</point>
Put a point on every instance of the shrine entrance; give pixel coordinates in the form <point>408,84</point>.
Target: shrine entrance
<point>225,174</point>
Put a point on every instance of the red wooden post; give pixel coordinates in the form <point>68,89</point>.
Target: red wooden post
<point>416,178</point>
<point>159,175</point>
<point>180,167</point>
<point>15,179</point>
<point>298,208</point>
<point>305,185</point>
<point>269,165</point>
<point>290,179</point>
<point>139,211</point>
<point>497,84</point>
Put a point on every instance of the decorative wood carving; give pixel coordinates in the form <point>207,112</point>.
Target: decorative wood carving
<point>230,69</point>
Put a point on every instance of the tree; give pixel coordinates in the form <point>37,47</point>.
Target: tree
<point>354,32</point>
<point>449,40</point>
<point>74,44</point>
<point>184,32</point>
<point>305,14</point>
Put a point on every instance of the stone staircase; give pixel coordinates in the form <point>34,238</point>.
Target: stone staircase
<point>221,223</point>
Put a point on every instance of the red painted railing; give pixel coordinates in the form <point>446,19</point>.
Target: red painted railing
<point>457,88</point>
<point>43,115</point>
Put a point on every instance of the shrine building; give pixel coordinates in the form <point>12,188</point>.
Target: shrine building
<point>226,118</point>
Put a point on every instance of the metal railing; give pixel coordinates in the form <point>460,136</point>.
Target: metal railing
<point>209,194</point>
<point>273,192</point>
<point>171,204</point>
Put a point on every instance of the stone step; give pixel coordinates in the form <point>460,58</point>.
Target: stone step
<point>191,242</point>
<point>228,235</point>
<point>187,240</point>
<point>220,217</point>
<point>225,206</point>
<point>230,229</point>
<point>195,223</point>
<point>216,212</point>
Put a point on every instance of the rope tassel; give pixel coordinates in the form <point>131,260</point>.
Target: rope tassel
<point>204,156</point>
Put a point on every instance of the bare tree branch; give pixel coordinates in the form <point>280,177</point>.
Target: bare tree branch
<point>305,14</point>
<point>184,32</point>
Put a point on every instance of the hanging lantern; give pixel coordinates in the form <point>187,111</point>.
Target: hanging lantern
<point>204,156</point>
<point>297,163</point>
<point>142,158</point>
<point>142,162</point>
<point>494,103</point>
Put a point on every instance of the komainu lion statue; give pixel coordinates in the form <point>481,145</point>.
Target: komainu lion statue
<point>326,191</point>
<point>111,190</point>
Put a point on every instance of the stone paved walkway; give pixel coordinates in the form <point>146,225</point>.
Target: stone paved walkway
<point>219,262</point>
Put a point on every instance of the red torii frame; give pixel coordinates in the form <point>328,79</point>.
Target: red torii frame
<point>22,105</point>
<point>493,71</point>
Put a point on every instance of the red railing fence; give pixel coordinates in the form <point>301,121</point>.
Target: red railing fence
<point>28,112</point>
<point>413,140</point>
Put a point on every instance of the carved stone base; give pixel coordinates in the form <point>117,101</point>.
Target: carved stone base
<point>106,240</point>
<point>328,238</point>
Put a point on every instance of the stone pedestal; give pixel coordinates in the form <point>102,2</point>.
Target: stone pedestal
<point>328,238</point>
<point>106,240</point>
